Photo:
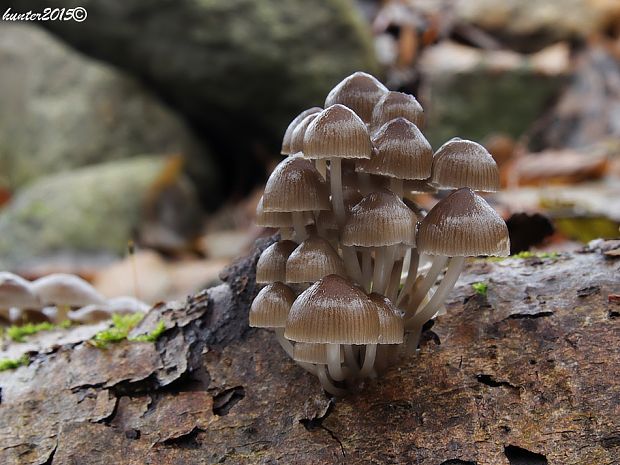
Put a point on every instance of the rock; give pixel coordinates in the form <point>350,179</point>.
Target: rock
<point>474,93</point>
<point>91,213</point>
<point>61,110</point>
<point>239,69</point>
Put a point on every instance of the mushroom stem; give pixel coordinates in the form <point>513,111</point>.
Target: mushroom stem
<point>447,283</point>
<point>369,360</point>
<point>309,367</point>
<point>62,312</point>
<point>321,167</point>
<point>326,382</point>
<point>366,268</point>
<point>350,356</point>
<point>414,261</point>
<point>335,179</point>
<point>413,339</point>
<point>394,281</point>
<point>285,343</point>
<point>396,186</point>
<point>425,285</point>
<point>352,265</point>
<point>384,260</point>
<point>333,362</point>
<point>300,226</point>
<point>286,233</point>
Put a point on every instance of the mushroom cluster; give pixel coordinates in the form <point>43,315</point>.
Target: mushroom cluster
<point>58,297</point>
<point>344,286</point>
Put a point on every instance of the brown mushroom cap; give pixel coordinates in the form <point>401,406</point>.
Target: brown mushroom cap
<point>16,291</point>
<point>297,137</point>
<point>337,132</point>
<point>360,92</point>
<point>401,151</point>
<point>464,163</point>
<point>278,219</point>
<point>295,185</point>
<point>288,135</point>
<point>381,218</point>
<point>333,311</point>
<point>66,289</point>
<point>463,224</point>
<point>313,259</point>
<point>395,104</point>
<point>271,265</point>
<point>312,353</point>
<point>390,320</point>
<point>271,306</point>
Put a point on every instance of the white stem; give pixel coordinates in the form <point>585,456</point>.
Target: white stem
<point>333,362</point>
<point>425,285</point>
<point>394,282</point>
<point>366,268</point>
<point>414,261</point>
<point>62,312</point>
<point>300,226</point>
<point>396,186</point>
<point>284,342</point>
<point>350,358</point>
<point>447,283</point>
<point>412,340</point>
<point>351,263</point>
<point>326,383</point>
<point>369,360</point>
<point>321,167</point>
<point>383,268</point>
<point>335,177</point>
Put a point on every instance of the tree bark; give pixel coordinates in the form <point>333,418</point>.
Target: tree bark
<point>524,375</point>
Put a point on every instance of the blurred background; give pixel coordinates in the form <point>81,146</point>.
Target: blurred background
<point>156,122</point>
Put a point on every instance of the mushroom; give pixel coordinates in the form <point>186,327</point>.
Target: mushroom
<point>313,259</point>
<point>288,134</point>
<point>16,292</point>
<point>271,265</point>
<point>334,312</point>
<point>296,186</point>
<point>360,92</point>
<point>461,225</point>
<point>395,104</point>
<point>94,313</point>
<point>464,163</point>
<point>65,291</point>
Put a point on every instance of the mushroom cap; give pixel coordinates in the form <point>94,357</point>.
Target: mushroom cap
<point>98,312</point>
<point>271,306</point>
<point>271,265</point>
<point>288,134</point>
<point>360,92</point>
<point>313,259</point>
<point>297,137</point>
<point>391,322</point>
<point>464,163</point>
<point>277,219</point>
<point>66,289</point>
<point>16,291</point>
<point>295,185</point>
<point>337,132</point>
<point>419,186</point>
<point>400,151</point>
<point>312,353</point>
<point>395,104</point>
<point>379,219</point>
<point>333,311</point>
<point>463,225</point>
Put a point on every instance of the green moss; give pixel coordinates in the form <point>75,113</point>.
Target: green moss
<point>152,336</point>
<point>18,333</point>
<point>525,254</point>
<point>12,363</point>
<point>121,326</point>
<point>480,288</point>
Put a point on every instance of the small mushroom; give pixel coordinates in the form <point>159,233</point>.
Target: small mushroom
<point>16,292</point>
<point>395,104</point>
<point>65,291</point>
<point>360,92</point>
<point>313,259</point>
<point>288,135</point>
<point>271,265</point>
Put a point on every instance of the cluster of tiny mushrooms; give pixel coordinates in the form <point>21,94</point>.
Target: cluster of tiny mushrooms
<point>58,297</point>
<point>345,286</point>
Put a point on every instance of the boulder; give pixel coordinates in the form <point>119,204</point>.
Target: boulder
<point>240,70</point>
<point>90,214</point>
<point>61,110</point>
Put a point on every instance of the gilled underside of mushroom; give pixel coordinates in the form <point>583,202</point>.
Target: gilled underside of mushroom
<point>352,318</point>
